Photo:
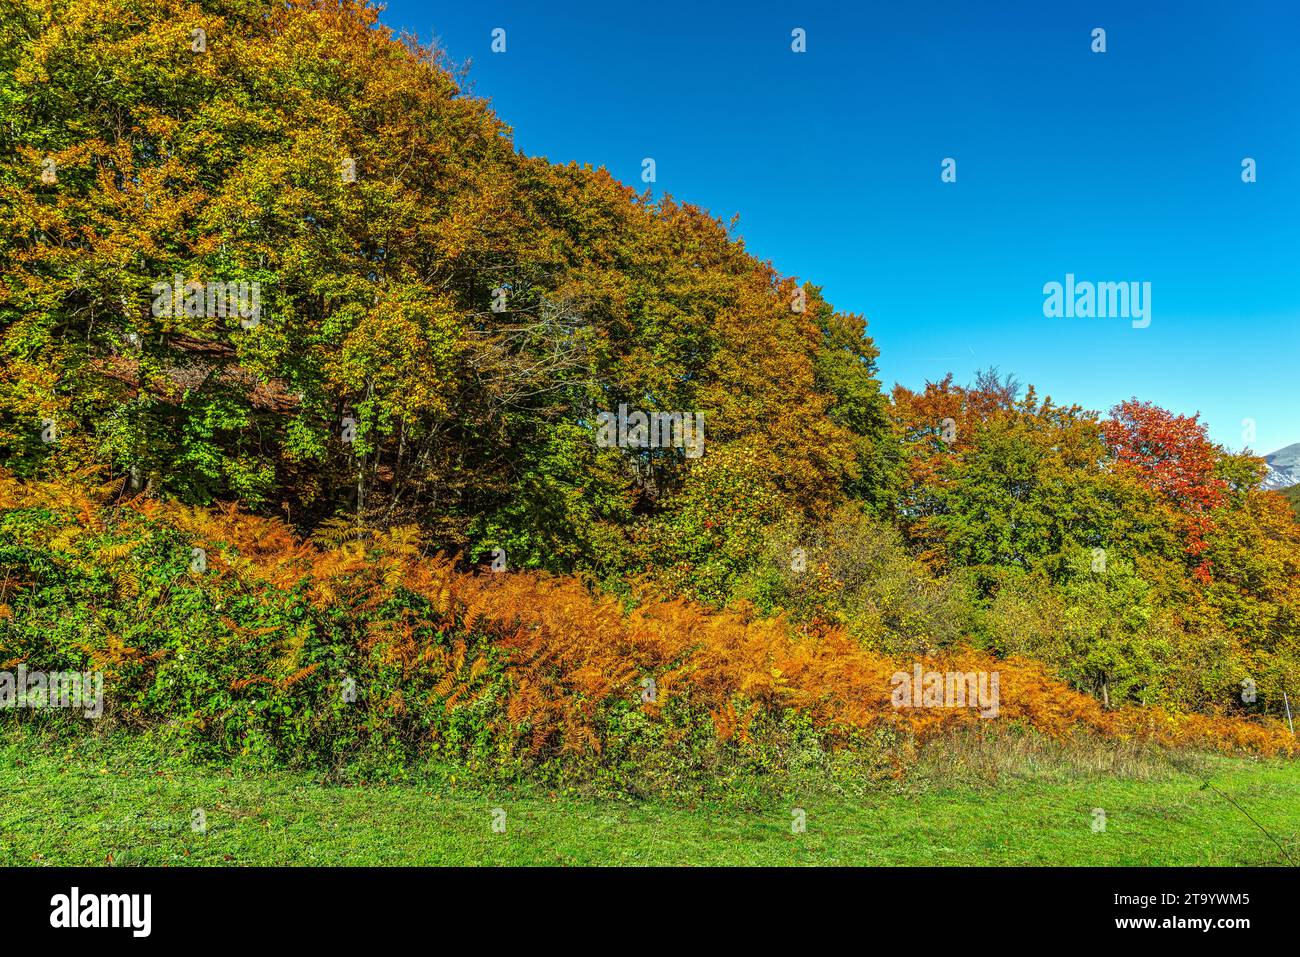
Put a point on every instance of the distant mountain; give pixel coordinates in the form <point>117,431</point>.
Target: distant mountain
<point>1283,468</point>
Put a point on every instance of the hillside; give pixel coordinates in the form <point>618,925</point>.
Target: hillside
<point>313,386</point>
<point>1283,468</point>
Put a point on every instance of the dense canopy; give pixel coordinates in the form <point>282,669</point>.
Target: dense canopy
<point>273,253</point>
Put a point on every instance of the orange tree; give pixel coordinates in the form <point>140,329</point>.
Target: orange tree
<point>439,318</point>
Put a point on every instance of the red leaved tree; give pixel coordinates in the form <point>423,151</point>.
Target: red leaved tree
<point>1172,455</point>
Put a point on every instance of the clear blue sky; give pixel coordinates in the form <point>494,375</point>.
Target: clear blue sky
<point>1122,166</point>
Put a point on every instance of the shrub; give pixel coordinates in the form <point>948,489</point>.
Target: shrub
<point>510,674</point>
<point>855,571</point>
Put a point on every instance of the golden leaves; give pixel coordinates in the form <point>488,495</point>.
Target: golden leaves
<point>117,551</point>
<point>563,663</point>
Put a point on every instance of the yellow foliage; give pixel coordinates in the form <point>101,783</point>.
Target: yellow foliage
<point>568,654</point>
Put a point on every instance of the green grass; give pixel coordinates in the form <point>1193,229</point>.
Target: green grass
<point>130,804</point>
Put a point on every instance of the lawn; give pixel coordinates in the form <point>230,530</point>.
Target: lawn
<point>131,805</point>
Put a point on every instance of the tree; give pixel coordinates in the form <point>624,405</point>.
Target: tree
<point>1171,455</point>
<point>440,320</point>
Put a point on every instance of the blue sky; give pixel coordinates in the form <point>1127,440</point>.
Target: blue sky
<point>1122,166</point>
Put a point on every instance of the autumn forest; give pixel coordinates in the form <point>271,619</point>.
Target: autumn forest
<point>336,432</point>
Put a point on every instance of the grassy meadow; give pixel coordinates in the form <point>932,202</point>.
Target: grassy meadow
<point>123,805</point>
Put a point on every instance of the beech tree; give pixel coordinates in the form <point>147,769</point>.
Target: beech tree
<point>440,317</point>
